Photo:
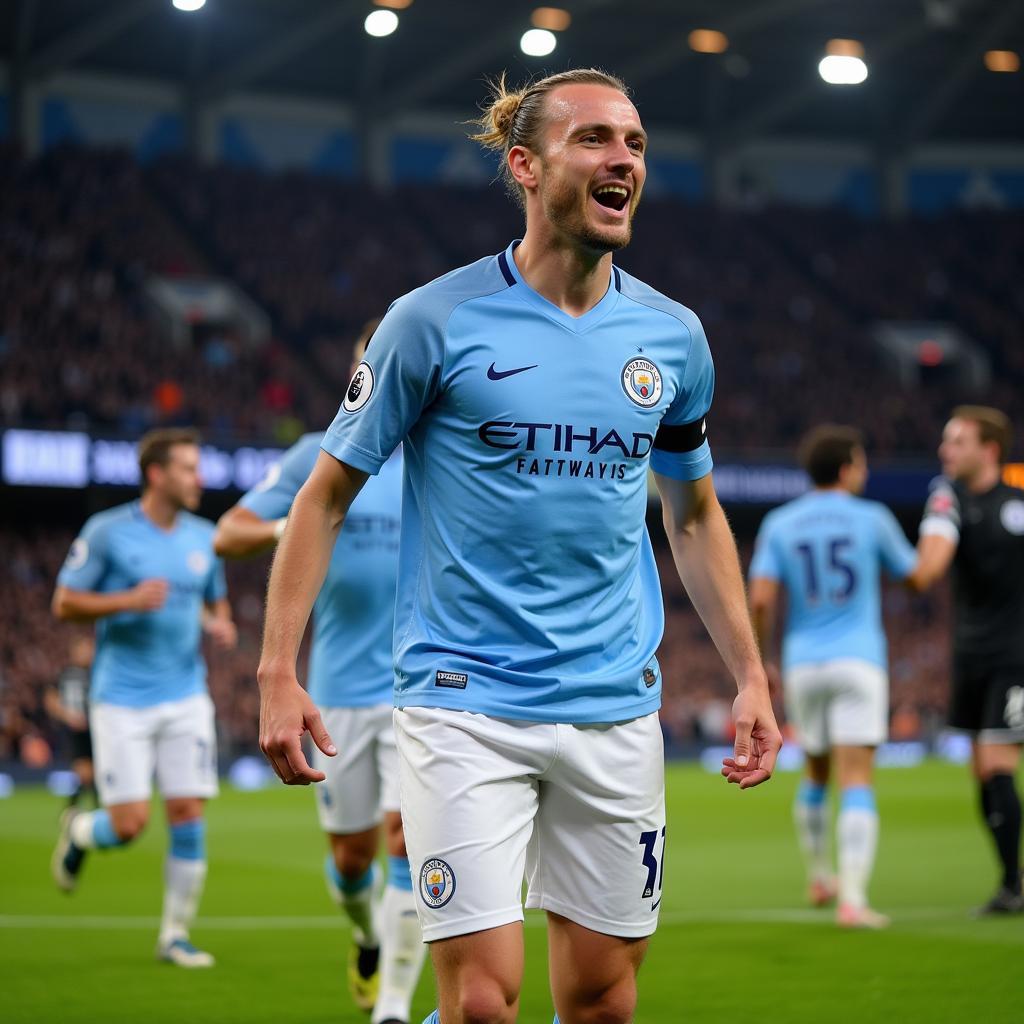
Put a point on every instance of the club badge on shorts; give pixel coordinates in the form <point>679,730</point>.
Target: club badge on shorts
<point>437,883</point>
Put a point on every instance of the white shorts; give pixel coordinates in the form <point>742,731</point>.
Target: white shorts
<point>844,702</point>
<point>362,778</point>
<point>578,809</point>
<point>176,739</point>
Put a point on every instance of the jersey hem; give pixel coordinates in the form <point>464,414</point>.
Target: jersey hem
<point>118,701</point>
<point>550,714</point>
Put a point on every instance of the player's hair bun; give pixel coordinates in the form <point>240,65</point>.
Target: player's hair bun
<point>496,122</point>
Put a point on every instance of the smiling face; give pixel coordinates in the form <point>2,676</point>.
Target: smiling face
<point>587,180</point>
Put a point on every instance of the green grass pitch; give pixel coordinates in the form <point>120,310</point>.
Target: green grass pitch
<point>735,943</point>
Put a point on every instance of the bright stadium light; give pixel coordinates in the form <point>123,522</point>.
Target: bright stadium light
<point>189,5</point>
<point>708,40</point>
<point>537,42</point>
<point>380,23</point>
<point>838,70</point>
<point>843,63</point>
<point>1005,61</point>
<point>554,19</point>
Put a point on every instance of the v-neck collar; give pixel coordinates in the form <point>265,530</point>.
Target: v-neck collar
<point>576,324</point>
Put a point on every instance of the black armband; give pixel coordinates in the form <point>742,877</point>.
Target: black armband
<point>687,437</point>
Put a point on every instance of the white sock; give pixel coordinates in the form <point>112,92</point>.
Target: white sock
<point>402,952</point>
<point>811,817</point>
<point>183,888</point>
<point>358,900</point>
<point>857,833</point>
<point>93,831</point>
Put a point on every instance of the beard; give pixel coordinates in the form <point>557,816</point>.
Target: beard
<point>563,209</point>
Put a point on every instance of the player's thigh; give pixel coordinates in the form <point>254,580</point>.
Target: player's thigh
<point>124,746</point>
<point>598,851</point>
<point>858,714</point>
<point>348,800</point>
<point>186,749</point>
<point>806,695</point>
<point>968,697</point>
<point>1002,718</point>
<point>479,975</point>
<point>590,970</point>
<point>468,805</point>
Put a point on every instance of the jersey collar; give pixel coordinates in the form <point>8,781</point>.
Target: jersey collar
<point>576,324</point>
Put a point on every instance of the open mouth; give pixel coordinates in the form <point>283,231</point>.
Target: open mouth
<point>611,197</point>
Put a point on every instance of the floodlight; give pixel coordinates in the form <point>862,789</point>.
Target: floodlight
<point>838,70</point>
<point>538,42</point>
<point>189,5</point>
<point>708,40</point>
<point>380,23</point>
<point>1002,60</point>
<point>554,19</point>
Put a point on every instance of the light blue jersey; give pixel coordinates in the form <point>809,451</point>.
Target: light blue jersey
<point>146,658</point>
<point>350,663</point>
<point>828,549</point>
<point>527,585</point>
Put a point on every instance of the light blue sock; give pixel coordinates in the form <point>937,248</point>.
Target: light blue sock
<point>858,798</point>
<point>811,817</point>
<point>103,834</point>
<point>812,793</point>
<point>347,886</point>
<point>434,1018</point>
<point>399,873</point>
<point>188,840</point>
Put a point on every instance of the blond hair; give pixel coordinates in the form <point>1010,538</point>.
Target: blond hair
<point>515,117</point>
<point>993,426</point>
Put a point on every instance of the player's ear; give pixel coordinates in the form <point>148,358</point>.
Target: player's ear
<point>522,163</point>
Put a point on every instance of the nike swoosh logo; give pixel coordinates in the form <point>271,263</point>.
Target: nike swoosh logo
<point>493,374</point>
<point>655,905</point>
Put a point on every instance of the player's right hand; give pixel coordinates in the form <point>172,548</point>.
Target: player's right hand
<point>149,595</point>
<point>286,712</point>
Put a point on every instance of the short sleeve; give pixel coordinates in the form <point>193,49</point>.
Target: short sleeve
<point>681,450</point>
<point>216,582</point>
<point>897,555</point>
<point>942,512</point>
<point>87,561</point>
<point>272,497</point>
<point>765,564</point>
<point>398,379</point>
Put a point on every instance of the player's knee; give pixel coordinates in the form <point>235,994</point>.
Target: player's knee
<point>615,1005</point>
<point>129,826</point>
<point>487,1001</point>
<point>352,864</point>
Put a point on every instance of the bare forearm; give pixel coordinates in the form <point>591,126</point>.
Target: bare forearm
<point>705,556</point>
<point>763,623</point>
<point>218,611</point>
<point>298,572</point>
<point>87,605</point>
<point>241,533</point>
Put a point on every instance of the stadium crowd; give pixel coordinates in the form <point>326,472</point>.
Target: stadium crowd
<point>786,295</point>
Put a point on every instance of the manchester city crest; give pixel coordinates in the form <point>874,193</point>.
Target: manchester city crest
<point>641,380</point>
<point>360,388</point>
<point>437,882</point>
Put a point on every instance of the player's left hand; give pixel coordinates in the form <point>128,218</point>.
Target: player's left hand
<point>758,739</point>
<point>223,632</point>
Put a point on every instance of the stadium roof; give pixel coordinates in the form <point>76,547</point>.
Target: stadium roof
<point>927,78</point>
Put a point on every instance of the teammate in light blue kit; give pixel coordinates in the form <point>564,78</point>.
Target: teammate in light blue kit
<point>146,573</point>
<point>828,550</point>
<point>351,680</point>
<point>532,391</point>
